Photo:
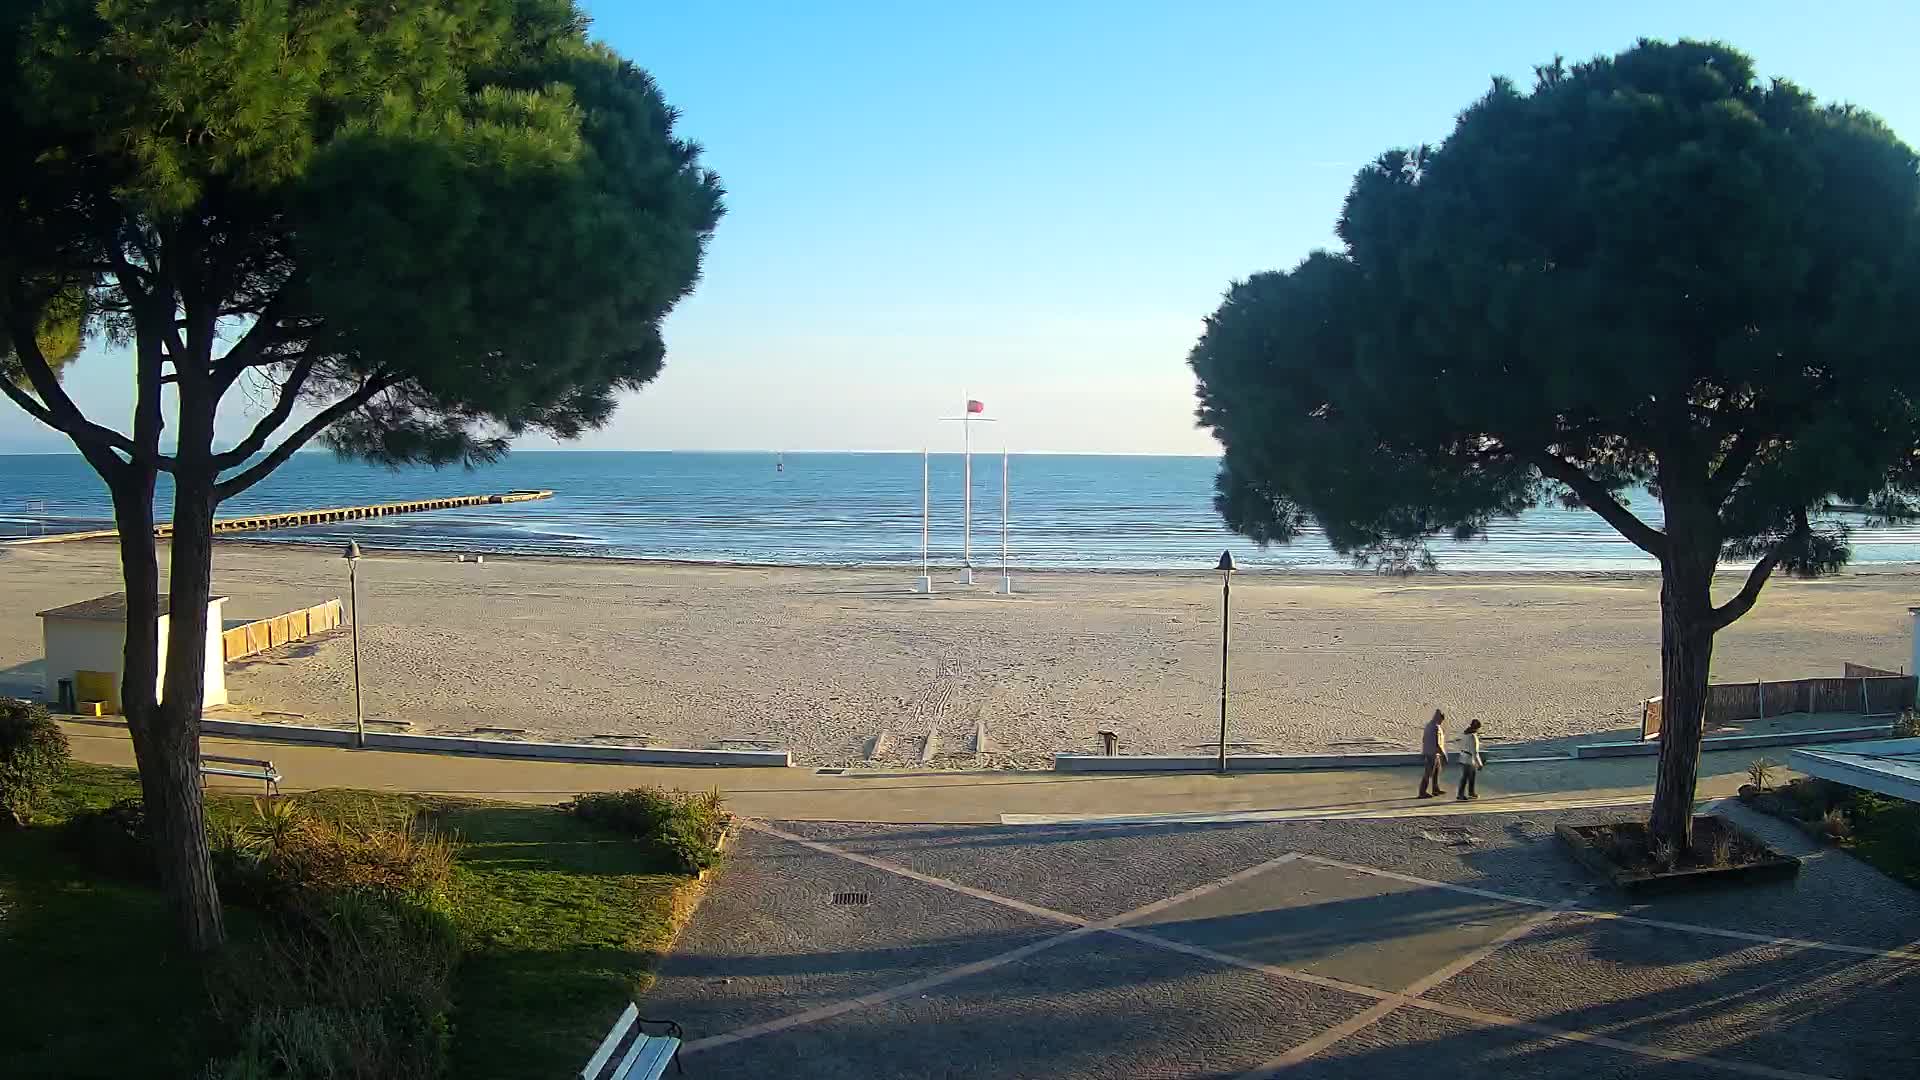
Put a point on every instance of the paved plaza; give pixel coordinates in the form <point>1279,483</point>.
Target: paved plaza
<point>1467,945</point>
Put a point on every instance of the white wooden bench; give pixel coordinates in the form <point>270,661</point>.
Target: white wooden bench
<point>629,1053</point>
<point>245,768</point>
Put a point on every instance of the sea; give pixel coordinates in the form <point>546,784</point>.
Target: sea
<point>1080,512</point>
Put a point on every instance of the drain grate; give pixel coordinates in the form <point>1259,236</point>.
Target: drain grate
<point>850,899</point>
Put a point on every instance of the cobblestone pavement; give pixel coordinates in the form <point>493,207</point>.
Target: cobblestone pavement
<point>1322,949</point>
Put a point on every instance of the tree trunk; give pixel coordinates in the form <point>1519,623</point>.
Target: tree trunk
<point>1686,657</point>
<point>166,744</point>
<point>179,828</point>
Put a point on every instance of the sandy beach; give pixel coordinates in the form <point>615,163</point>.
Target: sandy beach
<point>822,661</point>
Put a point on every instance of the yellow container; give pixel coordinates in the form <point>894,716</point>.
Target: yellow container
<point>233,643</point>
<point>101,687</point>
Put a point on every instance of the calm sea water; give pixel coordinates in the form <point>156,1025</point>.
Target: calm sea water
<point>823,509</point>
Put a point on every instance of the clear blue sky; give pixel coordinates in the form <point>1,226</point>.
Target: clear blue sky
<point>1037,203</point>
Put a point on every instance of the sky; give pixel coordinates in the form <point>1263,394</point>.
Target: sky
<point>1037,204</point>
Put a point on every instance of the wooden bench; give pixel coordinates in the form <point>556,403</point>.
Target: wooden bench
<point>245,768</point>
<point>629,1053</point>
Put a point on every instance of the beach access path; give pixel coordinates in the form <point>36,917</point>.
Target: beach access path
<point>927,797</point>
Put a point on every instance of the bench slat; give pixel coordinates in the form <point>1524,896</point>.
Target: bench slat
<point>611,1043</point>
<point>648,1058</point>
<point>256,762</point>
<point>246,774</point>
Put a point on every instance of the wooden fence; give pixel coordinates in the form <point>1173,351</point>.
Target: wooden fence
<point>1871,691</point>
<point>264,634</point>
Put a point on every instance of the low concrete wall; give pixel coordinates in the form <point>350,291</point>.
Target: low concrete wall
<point>242,729</point>
<point>453,744</point>
<point>628,755</point>
<point>1145,763</point>
<point>1739,742</point>
<point>1091,763</point>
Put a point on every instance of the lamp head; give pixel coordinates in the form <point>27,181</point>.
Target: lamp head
<point>1226,563</point>
<point>352,552</point>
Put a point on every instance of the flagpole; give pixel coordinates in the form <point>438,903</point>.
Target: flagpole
<point>966,441</point>
<point>1006,578</point>
<point>925,583</point>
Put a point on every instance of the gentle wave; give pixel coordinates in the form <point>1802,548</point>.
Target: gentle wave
<point>1070,512</point>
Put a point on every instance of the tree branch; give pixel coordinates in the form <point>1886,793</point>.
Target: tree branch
<point>1601,501</point>
<point>247,351</point>
<point>1743,601</point>
<point>239,482</point>
<point>270,423</point>
<point>55,409</point>
<point>1746,446</point>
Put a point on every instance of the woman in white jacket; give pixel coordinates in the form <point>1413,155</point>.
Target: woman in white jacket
<point>1470,761</point>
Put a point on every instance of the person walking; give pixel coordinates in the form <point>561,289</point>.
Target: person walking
<point>1433,745</point>
<point>1470,761</point>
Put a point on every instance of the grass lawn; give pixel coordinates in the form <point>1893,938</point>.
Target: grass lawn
<point>561,923</point>
<point>1886,833</point>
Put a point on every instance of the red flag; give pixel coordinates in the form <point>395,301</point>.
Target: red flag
<point>976,406</point>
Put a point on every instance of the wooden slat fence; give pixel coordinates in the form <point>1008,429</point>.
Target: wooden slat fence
<point>263,634</point>
<point>1871,691</point>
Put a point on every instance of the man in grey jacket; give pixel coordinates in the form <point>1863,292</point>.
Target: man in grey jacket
<point>1433,744</point>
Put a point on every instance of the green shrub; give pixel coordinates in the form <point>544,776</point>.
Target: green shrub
<point>685,828</point>
<point>694,834</point>
<point>639,812</point>
<point>349,985</point>
<point>33,757</point>
<point>1812,797</point>
<point>282,854</point>
<point>112,840</point>
<point>1760,772</point>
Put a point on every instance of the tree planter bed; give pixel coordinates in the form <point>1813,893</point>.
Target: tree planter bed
<point>1599,848</point>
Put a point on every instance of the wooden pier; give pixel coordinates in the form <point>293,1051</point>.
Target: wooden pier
<point>294,519</point>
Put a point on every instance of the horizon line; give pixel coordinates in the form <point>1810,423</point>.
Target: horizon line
<point>736,451</point>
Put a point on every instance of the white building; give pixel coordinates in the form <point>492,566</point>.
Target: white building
<point>90,637</point>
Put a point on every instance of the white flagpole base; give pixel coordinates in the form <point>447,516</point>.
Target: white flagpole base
<point>966,575</point>
<point>1005,588</point>
<point>923,585</point>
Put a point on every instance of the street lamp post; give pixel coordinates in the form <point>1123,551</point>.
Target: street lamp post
<point>352,555</point>
<point>1226,569</point>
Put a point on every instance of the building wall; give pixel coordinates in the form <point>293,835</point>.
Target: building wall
<point>215,692</point>
<point>92,645</point>
<point>79,645</point>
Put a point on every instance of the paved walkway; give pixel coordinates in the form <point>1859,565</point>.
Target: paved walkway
<point>1351,949</point>
<point>1321,925</point>
<point>952,797</point>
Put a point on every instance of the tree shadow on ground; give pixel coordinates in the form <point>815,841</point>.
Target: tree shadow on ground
<point>1837,1017</point>
<point>27,680</point>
